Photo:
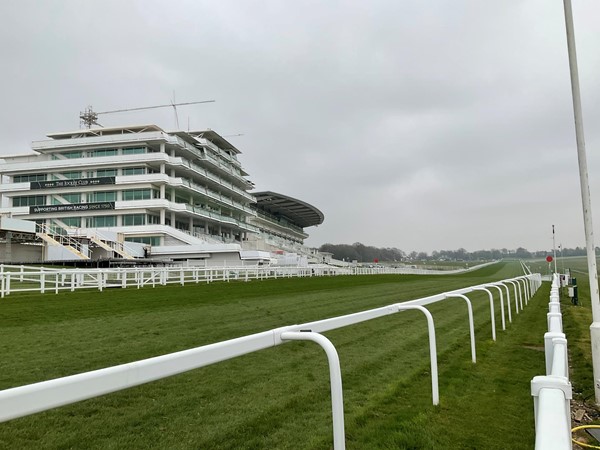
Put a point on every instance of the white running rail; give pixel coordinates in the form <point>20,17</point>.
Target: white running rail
<point>40,279</point>
<point>25,400</point>
<point>552,392</point>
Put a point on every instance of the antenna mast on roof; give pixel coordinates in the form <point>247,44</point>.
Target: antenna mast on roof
<point>89,117</point>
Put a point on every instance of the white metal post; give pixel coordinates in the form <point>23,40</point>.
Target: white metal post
<point>585,198</point>
<point>501,283</point>
<point>471,325</point>
<point>435,391</point>
<point>501,304</point>
<point>514,285</point>
<point>493,318</point>
<point>335,377</point>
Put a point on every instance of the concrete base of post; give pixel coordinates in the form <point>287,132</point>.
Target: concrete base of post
<point>595,340</point>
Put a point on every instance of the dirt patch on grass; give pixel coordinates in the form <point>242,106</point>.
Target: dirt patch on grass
<point>534,347</point>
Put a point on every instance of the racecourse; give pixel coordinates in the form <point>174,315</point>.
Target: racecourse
<point>278,398</point>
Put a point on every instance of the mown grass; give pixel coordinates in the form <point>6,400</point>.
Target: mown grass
<point>277,398</point>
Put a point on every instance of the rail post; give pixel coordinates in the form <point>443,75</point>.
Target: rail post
<point>435,390</point>
<point>471,325</point>
<point>513,283</point>
<point>501,304</point>
<point>493,317</point>
<point>501,283</point>
<point>335,378</point>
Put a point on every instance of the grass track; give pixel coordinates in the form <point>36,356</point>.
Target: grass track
<point>277,398</point>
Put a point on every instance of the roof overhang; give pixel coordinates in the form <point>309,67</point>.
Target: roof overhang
<point>299,212</point>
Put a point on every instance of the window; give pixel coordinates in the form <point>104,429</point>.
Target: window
<point>180,199</point>
<point>67,175</point>
<point>103,152</point>
<point>106,173</point>
<point>73,155</point>
<point>182,225</point>
<point>134,219</point>
<point>150,240</point>
<point>101,221</point>
<point>68,198</point>
<point>134,150</point>
<point>30,177</point>
<point>134,171</point>
<point>107,196</point>
<point>153,219</point>
<point>72,221</point>
<point>29,200</point>
<point>137,194</point>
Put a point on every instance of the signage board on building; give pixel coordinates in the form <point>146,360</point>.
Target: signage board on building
<point>76,207</point>
<point>71,183</point>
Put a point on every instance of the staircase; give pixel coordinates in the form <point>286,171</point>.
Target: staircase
<point>48,235</point>
<point>109,245</point>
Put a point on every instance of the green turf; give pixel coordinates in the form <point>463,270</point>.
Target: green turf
<point>277,398</point>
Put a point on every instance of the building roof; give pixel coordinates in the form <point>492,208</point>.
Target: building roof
<point>209,135</point>
<point>216,139</point>
<point>297,211</point>
<point>102,131</point>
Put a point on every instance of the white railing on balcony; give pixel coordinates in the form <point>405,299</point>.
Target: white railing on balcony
<point>552,392</point>
<point>30,399</point>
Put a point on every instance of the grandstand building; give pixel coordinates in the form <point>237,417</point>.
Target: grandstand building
<point>142,192</point>
<point>281,221</point>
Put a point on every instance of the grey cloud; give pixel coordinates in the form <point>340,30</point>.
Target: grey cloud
<point>417,125</point>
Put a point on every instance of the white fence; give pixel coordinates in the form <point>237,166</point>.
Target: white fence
<point>552,392</point>
<point>35,279</point>
<point>25,400</point>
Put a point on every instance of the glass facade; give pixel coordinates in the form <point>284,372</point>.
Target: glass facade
<point>134,171</point>
<point>101,221</point>
<point>107,196</point>
<point>133,219</point>
<point>29,178</point>
<point>106,173</point>
<point>29,200</point>
<point>134,150</point>
<point>140,194</point>
<point>103,152</point>
<point>66,198</point>
<point>150,240</point>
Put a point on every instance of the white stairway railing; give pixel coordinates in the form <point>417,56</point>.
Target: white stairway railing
<point>552,392</point>
<point>25,400</point>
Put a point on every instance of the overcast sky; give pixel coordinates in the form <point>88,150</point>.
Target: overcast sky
<point>422,125</point>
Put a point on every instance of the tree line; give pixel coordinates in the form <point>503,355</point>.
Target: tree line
<point>366,253</point>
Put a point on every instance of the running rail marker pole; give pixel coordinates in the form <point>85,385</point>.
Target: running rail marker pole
<point>585,198</point>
